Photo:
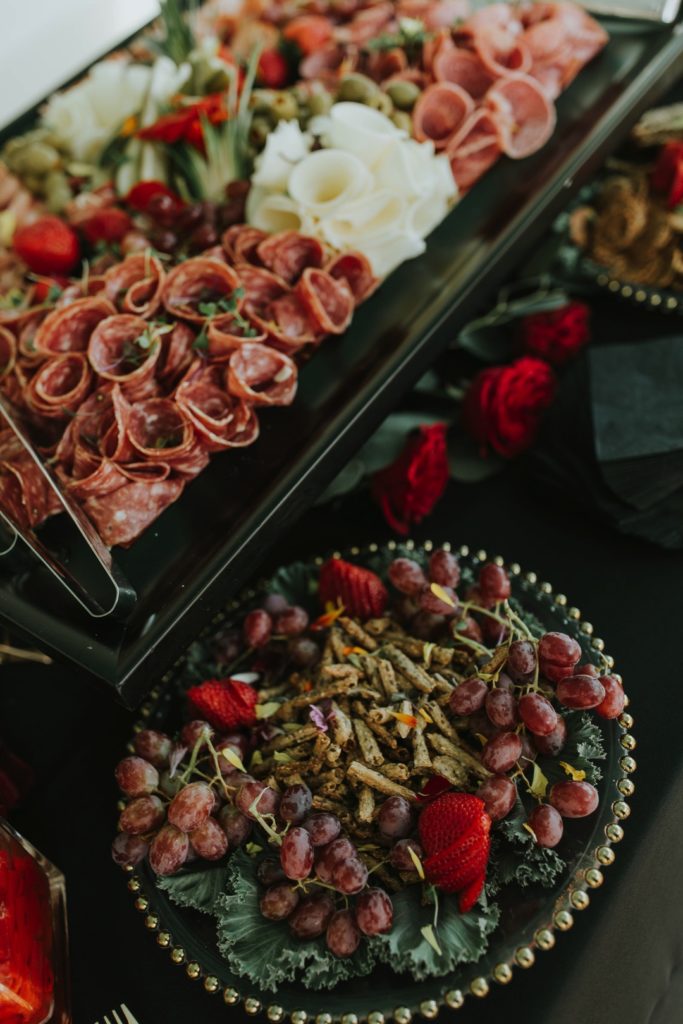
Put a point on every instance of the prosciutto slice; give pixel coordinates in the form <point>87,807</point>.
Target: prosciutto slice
<point>122,515</point>
<point>159,430</point>
<point>463,67</point>
<point>135,284</point>
<point>126,349</point>
<point>262,376</point>
<point>69,329</point>
<point>525,114</point>
<point>329,300</point>
<point>440,112</point>
<point>288,253</point>
<point>196,284</point>
<point>60,386</point>
<point>475,148</point>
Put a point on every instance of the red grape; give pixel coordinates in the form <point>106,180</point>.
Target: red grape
<point>291,622</point>
<point>275,603</point>
<point>191,806</point>
<point>226,646</point>
<point>425,626</point>
<point>586,670</point>
<point>614,700</point>
<point>407,576</point>
<point>238,744</point>
<point>554,742</point>
<point>547,825</point>
<point>538,714</point>
<point>170,786</point>
<point>168,850</point>
<point>505,682</point>
<point>502,752</point>
<point>494,632</point>
<point>296,854</point>
<point>343,935</point>
<point>279,901</point>
<point>311,918</point>
<point>295,803</point>
<point>444,568</point>
<point>494,582</point>
<point>499,794</point>
<point>400,858</point>
<point>143,814</point>
<point>580,692</point>
<point>470,629</point>
<point>136,777</point>
<point>338,851</point>
<point>256,794</point>
<point>258,628</point>
<point>529,751</point>
<point>468,697</point>
<point>395,817</point>
<point>237,826</point>
<point>127,851</point>
<point>303,652</point>
<point>521,661</point>
<point>350,876</point>
<point>269,872</point>
<point>195,731</point>
<point>574,799</point>
<point>153,746</point>
<point>374,912</point>
<point>501,707</point>
<point>557,655</point>
<point>480,724</point>
<point>209,840</point>
<point>322,827</point>
<point>429,602</point>
<point>162,209</point>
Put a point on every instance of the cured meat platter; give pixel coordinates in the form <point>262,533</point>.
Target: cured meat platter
<point>204,546</point>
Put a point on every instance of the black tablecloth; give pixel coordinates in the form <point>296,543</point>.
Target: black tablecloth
<point>621,963</point>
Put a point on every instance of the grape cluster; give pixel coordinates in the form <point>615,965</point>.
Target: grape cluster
<point>428,600</point>
<point>285,624</point>
<point>173,227</point>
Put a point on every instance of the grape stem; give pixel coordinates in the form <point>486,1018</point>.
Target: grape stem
<point>466,642</point>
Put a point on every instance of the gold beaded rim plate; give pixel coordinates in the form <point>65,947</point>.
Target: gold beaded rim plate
<point>663,300</point>
<point>378,1000</point>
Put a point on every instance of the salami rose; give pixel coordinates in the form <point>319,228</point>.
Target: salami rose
<point>261,375</point>
<point>260,287</point>
<point>525,114</point>
<point>124,514</point>
<point>241,243</point>
<point>288,253</point>
<point>60,386</point>
<point>69,329</point>
<point>159,429</point>
<point>200,288</point>
<point>354,268</point>
<point>227,334</point>
<point>8,351</point>
<point>176,354</point>
<point>149,471</point>
<point>125,349</point>
<point>135,284</point>
<point>440,112</point>
<point>105,477</point>
<point>220,420</point>
<point>329,301</point>
<point>475,148</point>
<point>114,441</point>
<point>25,494</point>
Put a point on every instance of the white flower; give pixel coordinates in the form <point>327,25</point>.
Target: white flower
<point>285,147</point>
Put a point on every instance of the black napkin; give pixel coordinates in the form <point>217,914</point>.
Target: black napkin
<point>613,439</point>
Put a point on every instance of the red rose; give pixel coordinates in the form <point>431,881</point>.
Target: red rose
<point>504,404</point>
<point>558,335</point>
<point>667,175</point>
<point>409,488</point>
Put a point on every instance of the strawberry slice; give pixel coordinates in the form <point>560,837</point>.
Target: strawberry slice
<point>47,246</point>
<point>454,832</point>
<point>448,818</point>
<point>360,591</point>
<point>224,703</point>
<point>471,893</point>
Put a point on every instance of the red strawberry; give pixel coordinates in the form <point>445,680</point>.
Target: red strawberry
<point>273,70</point>
<point>454,832</point>
<point>107,225</point>
<point>360,591</point>
<point>48,246</point>
<point>224,703</point>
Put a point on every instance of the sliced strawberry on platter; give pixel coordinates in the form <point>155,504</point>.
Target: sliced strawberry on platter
<point>360,591</point>
<point>454,832</point>
<point>224,703</point>
<point>47,246</point>
<point>106,225</point>
<point>448,819</point>
<point>273,70</point>
<point>471,893</point>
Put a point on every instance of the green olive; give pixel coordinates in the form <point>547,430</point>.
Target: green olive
<point>285,106</point>
<point>403,95</point>
<point>38,158</point>
<point>57,191</point>
<point>320,103</point>
<point>383,103</point>
<point>262,100</point>
<point>259,131</point>
<point>358,88</point>
<point>403,120</point>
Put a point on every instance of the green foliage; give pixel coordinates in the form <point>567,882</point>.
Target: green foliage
<point>198,889</point>
<point>584,746</point>
<point>515,856</point>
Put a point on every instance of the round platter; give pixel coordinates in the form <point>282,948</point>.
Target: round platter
<point>664,300</point>
<point>530,917</point>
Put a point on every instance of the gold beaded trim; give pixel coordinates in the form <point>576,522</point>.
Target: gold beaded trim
<point>646,296</point>
<point>575,898</point>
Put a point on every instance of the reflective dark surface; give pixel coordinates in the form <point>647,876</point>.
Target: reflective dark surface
<point>204,547</point>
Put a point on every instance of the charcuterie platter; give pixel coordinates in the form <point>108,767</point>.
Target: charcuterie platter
<point>152,384</point>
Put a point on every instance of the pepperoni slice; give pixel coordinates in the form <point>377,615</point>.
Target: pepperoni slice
<point>439,113</point>
<point>125,513</point>
<point>226,335</point>
<point>527,117</point>
<point>159,429</point>
<point>176,354</point>
<point>475,148</point>
<point>24,491</point>
<point>69,329</point>
<point>241,242</point>
<point>200,288</point>
<point>60,386</point>
<point>135,284</point>
<point>329,300</point>
<point>288,253</point>
<point>125,349</point>
<point>354,268</point>
<point>464,68</point>
<point>220,419</point>
<point>8,351</point>
<point>193,462</point>
<point>262,376</point>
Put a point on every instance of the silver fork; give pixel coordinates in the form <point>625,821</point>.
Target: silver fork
<point>128,1016</point>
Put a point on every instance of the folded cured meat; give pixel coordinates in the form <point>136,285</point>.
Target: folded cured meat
<point>525,114</point>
